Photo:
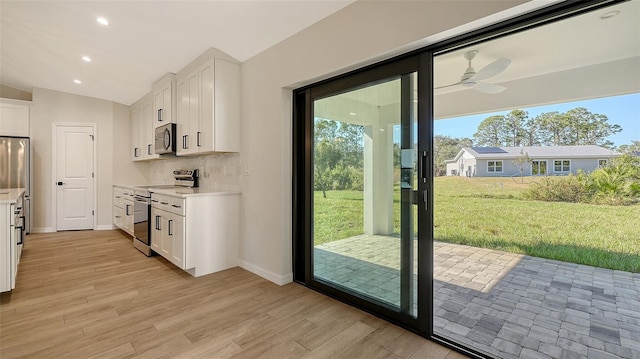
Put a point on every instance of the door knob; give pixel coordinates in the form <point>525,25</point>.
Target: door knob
<point>60,183</point>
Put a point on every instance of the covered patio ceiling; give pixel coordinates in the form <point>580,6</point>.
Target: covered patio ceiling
<point>585,57</point>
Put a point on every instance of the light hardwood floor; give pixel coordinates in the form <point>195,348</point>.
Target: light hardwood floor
<point>90,294</point>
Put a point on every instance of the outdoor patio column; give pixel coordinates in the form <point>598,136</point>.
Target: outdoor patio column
<point>378,179</point>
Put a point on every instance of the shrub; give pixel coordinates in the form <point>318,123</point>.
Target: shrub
<point>616,184</point>
<point>557,189</point>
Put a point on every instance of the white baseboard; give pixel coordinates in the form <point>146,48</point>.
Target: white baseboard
<point>43,230</point>
<point>105,227</point>
<point>268,275</point>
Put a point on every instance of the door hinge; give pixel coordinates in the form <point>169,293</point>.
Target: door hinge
<point>91,137</point>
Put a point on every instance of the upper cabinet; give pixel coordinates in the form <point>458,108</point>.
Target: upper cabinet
<point>208,107</point>
<point>14,118</point>
<point>164,100</point>
<point>142,129</point>
<point>203,100</point>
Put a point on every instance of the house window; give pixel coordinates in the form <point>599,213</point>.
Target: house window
<point>538,168</point>
<point>561,166</point>
<point>494,166</point>
<point>602,163</point>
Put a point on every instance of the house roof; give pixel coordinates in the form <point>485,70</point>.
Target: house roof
<point>587,151</point>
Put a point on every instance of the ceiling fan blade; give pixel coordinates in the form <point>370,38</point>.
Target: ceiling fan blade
<point>490,89</point>
<point>491,70</point>
<point>441,87</point>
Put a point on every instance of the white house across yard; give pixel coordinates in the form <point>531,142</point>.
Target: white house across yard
<point>542,160</point>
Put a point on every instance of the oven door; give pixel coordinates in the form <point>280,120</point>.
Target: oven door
<point>141,213</point>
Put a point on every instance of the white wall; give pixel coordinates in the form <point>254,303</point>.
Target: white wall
<point>125,171</point>
<point>354,36</point>
<point>53,106</point>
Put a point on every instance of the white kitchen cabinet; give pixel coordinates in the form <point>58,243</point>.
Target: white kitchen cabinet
<point>149,129</point>
<point>123,208</point>
<point>167,219</point>
<point>137,132</point>
<point>142,130</point>
<point>167,237</point>
<point>14,117</point>
<point>197,233</point>
<point>208,108</point>
<point>188,113</point>
<point>164,100</point>
<point>11,236</point>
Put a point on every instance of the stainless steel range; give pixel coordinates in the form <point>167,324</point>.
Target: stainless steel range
<point>142,207</point>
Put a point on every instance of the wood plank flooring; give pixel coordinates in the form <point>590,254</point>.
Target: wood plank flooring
<point>90,294</point>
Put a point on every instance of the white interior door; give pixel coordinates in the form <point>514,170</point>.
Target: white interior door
<point>74,177</point>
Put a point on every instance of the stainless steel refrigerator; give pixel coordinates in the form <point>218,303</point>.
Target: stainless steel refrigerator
<point>15,169</point>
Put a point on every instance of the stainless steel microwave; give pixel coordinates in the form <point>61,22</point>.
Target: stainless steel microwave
<point>165,139</point>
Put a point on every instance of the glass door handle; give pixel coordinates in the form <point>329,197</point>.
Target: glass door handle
<point>424,166</point>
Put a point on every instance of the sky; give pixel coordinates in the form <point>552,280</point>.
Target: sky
<point>622,110</point>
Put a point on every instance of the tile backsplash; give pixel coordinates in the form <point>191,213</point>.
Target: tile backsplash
<point>217,171</point>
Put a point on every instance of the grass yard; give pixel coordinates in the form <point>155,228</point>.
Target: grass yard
<point>489,212</point>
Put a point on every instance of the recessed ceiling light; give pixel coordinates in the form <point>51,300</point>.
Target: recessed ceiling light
<point>609,14</point>
<point>352,113</point>
<point>86,59</point>
<point>77,81</point>
<point>103,21</point>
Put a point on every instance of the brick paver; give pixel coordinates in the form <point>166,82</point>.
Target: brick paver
<point>504,304</point>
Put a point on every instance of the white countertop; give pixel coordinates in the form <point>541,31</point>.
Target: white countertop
<point>176,191</point>
<point>10,195</point>
<point>191,192</point>
<point>124,186</point>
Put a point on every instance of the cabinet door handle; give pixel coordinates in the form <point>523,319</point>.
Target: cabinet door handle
<point>149,149</point>
<point>170,227</point>
<point>198,139</point>
<point>135,152</point>
<point>185,144</point>
<point>21,228</point>
<point>118,216</point>
<point>154,200</point>
<point>126,209</point>
<point>165,203</point>
<point>176,206</point>
<point>159,115</point>
<point>158,223</point>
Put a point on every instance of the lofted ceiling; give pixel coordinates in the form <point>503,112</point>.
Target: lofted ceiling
<point>42,42</point>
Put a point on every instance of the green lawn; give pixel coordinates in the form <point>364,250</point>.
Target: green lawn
<point>489,212</point>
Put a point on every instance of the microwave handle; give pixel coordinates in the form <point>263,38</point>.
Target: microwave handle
<point>166,140</point>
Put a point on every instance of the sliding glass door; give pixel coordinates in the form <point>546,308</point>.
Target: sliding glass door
<point>362,239</point>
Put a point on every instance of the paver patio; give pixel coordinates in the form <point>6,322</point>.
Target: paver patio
<point>505,304</point>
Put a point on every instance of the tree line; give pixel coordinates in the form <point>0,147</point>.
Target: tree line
<point>577,126</point>
<point>339,146</point>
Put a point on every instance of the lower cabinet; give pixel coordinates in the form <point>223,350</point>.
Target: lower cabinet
<point>123,209</point>
<point>167,236</point>
<point>198,234</point>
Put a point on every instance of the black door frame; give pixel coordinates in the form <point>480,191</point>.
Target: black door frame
<point>303,176</point>
<point>303,168</point>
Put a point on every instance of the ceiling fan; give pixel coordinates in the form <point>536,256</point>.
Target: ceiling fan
<point>471,78</point>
